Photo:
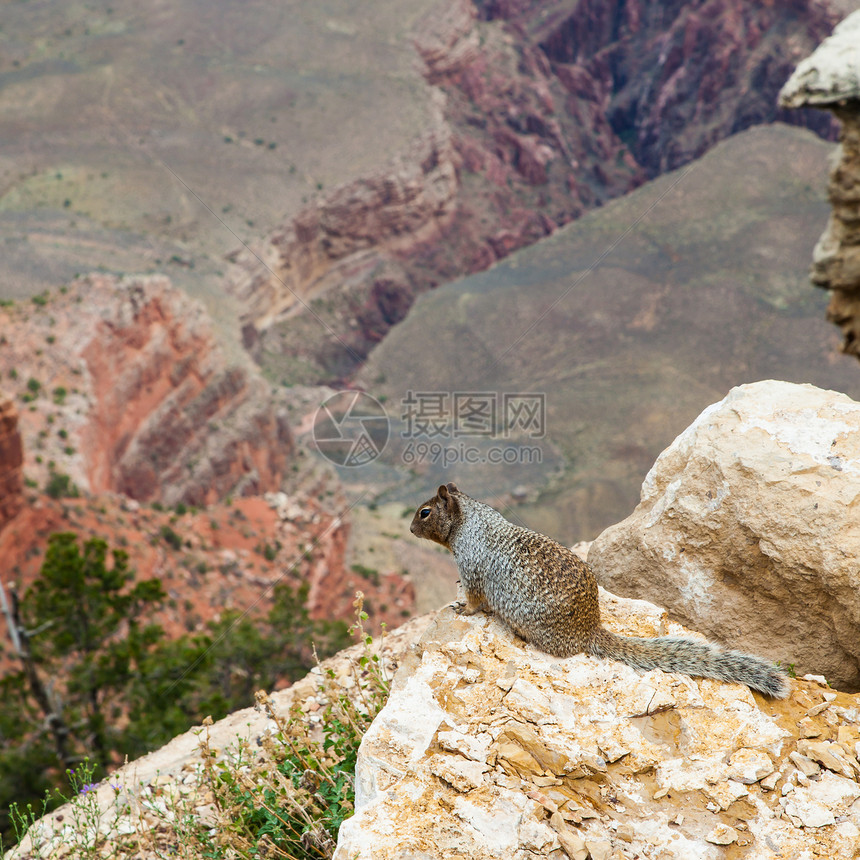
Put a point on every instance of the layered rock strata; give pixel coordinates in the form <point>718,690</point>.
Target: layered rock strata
<point>541,114</point>
<point>127,390</point>
<point>830,79</point>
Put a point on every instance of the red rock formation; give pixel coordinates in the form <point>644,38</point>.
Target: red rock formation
<point>11,459</point>
<point>673,78</point>
<point>227,557</point>
<point>406,202</point>
<point>133,395</point>
<point>545,111</point>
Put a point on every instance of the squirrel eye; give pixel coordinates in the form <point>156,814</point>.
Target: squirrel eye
<point>424,512</point>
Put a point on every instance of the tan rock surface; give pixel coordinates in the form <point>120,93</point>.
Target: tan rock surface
<point>830,78</point>
<point>489,748</point>
<point>748,528</point>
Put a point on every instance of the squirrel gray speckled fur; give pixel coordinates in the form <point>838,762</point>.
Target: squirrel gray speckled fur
<point>548,596</point>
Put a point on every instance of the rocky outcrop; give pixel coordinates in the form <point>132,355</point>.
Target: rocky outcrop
<point>406,202</point>
<point>11,458</point>
<point>830,79</point>
<point>128,391</point>
<point>747,528</point>
<point>490,749</point>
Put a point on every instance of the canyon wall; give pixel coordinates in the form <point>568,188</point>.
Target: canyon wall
<point>542,113</point>
<point>126,390</point>
<point>673,78</point>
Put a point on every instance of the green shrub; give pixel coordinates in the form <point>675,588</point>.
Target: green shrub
<point>289,799</point>
<point>61,486</point>
<point>171,537</point>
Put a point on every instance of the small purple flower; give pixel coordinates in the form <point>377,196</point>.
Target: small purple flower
<point>90,786</point>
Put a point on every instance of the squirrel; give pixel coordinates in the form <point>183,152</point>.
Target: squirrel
<point>548,596</point>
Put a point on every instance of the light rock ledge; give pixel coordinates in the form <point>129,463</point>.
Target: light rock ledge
<point>489,748</point>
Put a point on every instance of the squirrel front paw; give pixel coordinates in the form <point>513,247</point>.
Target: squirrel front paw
<point>465,608</point>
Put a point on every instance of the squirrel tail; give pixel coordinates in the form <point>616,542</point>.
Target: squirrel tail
<point>676,654</point>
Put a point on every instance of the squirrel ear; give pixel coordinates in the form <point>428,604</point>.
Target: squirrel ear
<point>452,487</point>
<point>442,492</point>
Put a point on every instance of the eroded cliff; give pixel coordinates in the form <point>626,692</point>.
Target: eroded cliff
<point>541,114</point>
<point>127,390</point>
<point>830,79</point>
<point>11,458</point>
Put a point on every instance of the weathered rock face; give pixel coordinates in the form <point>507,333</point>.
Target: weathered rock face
<point>11,458</point>
<point>490,749</point>
<point>673,78</point>
<point>748,528</point>
<point>407,201</point>
<point>542,115</point>
<point>129,392</point>
<point>830,78</point>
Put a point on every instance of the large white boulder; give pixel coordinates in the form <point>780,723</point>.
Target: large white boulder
<point>748,529</point>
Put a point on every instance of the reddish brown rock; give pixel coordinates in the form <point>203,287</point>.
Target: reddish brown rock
<point>406,202</point>
<point>11,459</point>
<point>672,79</point>
<point>128,391</point>
<point>226,557</point>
